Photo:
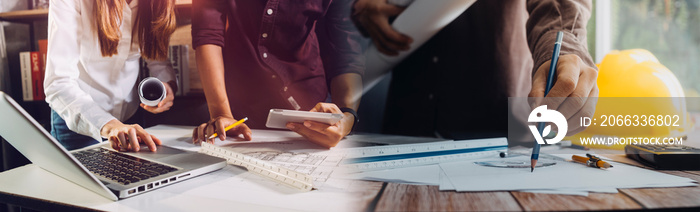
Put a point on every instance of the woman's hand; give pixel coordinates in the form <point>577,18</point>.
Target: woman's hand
<point>128,137</point>
<point>217,125</point>
<point>162,105</point>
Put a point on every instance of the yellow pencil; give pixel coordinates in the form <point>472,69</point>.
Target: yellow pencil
<point>229,127</point>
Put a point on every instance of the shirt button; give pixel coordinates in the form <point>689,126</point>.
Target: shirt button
<point>264,55</point>
<point>285,88</point>
<point>269,11</point>
<point>264,35</point>
<point>430,96</point>
<point>435,59</point>
<point>274,76</point>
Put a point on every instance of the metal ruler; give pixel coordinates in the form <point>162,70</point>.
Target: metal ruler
<point>278,174</point>
<point>406,155</point>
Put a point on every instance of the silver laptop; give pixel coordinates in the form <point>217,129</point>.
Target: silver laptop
<point>99,168</point>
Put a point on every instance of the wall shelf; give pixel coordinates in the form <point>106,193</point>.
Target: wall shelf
<point>39,14</point>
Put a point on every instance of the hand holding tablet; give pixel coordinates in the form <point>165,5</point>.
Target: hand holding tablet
<point>278,118</point>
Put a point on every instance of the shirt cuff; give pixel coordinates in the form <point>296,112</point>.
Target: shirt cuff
<point>207,36</point>
<point>570,45</point>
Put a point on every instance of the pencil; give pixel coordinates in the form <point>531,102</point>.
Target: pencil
<point>229,127</point>
<point>550,82</point>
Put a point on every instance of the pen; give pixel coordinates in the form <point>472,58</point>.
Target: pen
<point>229,127</point>
<point>591,161</point>
<point>550,81</point>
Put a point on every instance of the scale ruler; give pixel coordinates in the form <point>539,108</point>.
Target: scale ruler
<point>278,174</point>
<point>407,155</point>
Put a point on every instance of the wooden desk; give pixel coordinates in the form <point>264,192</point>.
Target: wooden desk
<point>378,196</point>
<point>403,197</point>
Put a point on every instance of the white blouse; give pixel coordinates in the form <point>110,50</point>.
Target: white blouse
<point>86,89</point>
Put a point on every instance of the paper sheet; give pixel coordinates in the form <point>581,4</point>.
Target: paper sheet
<point>467,176</point>
<point>445,183</point>
<point>284,148</point>
<point>562,192</point>
<point>421,20</point>
<point>180,137</point>
<point>417,175</point>
<point>234,184</point>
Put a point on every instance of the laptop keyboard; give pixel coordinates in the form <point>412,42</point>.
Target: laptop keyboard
<point>122,168</point>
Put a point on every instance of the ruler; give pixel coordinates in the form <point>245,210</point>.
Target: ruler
<point>276,173</point>
<point>407,155</point>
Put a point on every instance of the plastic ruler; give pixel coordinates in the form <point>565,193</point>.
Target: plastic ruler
<point>276,173</point>
<point>406,155</point>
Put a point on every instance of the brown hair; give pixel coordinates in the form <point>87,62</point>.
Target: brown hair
<point>155,22</point>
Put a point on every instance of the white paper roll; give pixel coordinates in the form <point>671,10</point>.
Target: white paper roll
<point>421,20</point>
<point>151,91</point>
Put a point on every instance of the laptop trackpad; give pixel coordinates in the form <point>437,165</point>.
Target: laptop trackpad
<point>161,152</point>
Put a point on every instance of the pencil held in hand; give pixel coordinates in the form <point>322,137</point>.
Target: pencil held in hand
<point>229,127</point>
<point>550,82</point>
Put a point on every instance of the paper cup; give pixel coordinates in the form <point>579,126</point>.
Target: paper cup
<point>151,91</point>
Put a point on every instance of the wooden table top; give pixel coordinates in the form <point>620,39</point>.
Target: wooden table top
<point>403,197</point>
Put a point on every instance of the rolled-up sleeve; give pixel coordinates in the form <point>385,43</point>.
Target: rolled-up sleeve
<point>340,42</point>
<point>547,17</point>
<point>208,22</point>
<point>61,87</point>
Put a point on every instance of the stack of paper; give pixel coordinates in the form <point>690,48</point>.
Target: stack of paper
<point>563,178</point>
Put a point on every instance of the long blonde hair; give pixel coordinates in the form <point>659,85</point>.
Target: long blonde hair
<point>155,22</point>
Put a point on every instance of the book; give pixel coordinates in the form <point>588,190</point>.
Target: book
<point>37,79</point>
<point>144,72</point>
<point>186,69</point>
<point>32,74</point>
<point>179,59</point>
<point>25,62</point>
<point>40,4</point>
<point>4,78</point>
<point>43,51</point>
<point>178,55</point>
<point>175,60</point>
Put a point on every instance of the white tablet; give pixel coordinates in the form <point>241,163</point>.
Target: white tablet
<point>278,118</point>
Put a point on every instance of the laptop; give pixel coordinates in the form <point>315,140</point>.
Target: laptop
<point>114,175</point>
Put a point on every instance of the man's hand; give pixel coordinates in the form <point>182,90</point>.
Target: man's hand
<point>162,105</point>
<point>372,19</point>
<point>323,134</point>
<point>217,125</point>
<point>128,137</point>
<point>575,80</point>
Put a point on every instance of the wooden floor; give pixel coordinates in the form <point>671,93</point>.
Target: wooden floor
<point>380,196</point>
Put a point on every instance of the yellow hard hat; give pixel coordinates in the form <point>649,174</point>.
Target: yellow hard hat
<point>636,73</point>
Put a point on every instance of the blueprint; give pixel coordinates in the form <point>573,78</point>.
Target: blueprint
<point>301,156</point>
<point>283,148</point>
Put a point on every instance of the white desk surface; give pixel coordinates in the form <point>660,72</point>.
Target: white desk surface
<point>34,182</point>
<point>216,191</point>
<point>210,192</point>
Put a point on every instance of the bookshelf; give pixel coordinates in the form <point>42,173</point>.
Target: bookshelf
<point>42,14</point>
<point>24,15</point>
<point>36,20</point>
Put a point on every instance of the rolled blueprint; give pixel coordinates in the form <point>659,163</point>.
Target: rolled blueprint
<point>421,20</point>
<point>151,91</point>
